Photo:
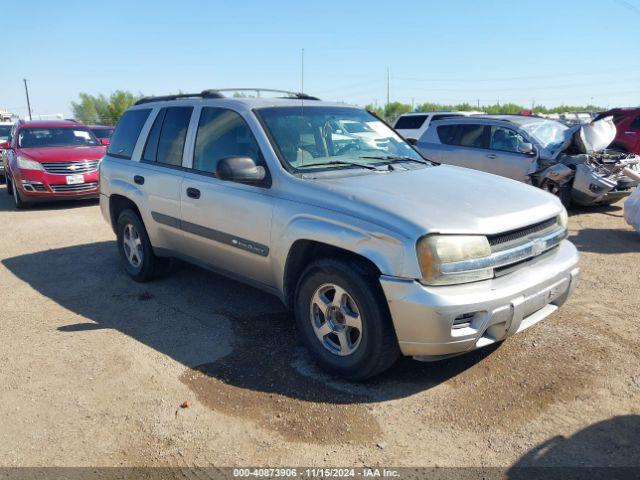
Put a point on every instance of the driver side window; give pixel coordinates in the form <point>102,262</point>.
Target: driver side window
<point>506,140</point>
<point>221,134</point>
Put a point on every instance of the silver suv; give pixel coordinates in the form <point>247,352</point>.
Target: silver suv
<point>377,251</point>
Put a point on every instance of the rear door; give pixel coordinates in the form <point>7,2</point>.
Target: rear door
<point>464,145</point>
<point>227,225</point>
<point>160,174</point>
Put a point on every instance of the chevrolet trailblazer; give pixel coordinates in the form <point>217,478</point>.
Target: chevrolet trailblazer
<point>377,251</point>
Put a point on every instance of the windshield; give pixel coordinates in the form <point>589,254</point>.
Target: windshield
<point>55,137</point>
<point>4,132</point>
<point>326,137</point>
<point>548,133</point>
<point>102,132</point>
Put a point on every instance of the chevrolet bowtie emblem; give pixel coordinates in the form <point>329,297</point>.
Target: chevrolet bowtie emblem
<point>74,167</point>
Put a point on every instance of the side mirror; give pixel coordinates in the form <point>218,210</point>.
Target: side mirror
<point>241,170</point>
<point>4,145</point>
<point>527,149</point>
<point>411,141</point>
<point>105,142</point>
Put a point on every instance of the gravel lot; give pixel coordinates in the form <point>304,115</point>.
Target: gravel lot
<point>94,368</point>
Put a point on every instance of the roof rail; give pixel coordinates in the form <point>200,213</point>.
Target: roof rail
<point>216,93</point>
<point>162,98</point>
<point>288,93</point>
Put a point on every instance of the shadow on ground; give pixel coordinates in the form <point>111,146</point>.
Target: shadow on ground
<point>266,354</point>
<point>613,443</point>
<point>606,241</point>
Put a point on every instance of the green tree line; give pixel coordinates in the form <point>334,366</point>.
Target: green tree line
<point>102,109</point>
<point>107,110</point>
<point>394,109</point>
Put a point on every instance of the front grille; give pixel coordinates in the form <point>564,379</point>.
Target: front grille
<point>80,187</point>
<point>512,235</point>
<point>69,168</point>
<point>38,187</point>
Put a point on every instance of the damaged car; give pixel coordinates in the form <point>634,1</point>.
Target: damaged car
<point>572,163</point>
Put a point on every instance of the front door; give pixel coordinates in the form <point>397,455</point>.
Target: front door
<point>227,225</point>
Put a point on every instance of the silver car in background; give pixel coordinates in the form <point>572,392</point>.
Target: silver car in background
<point>376,251</point>
<point>572,163</point>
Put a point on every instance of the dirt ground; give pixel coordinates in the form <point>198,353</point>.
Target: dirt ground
<point>94,368</point>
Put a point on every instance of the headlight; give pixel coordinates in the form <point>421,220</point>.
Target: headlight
<point>436,250</point>
<point>28,164</point>
<point>563,218</point>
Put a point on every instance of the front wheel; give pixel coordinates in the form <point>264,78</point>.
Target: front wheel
<point>17,198</point>
<point>135,249</point>
<point>563,192</point>
<point>343,319</point>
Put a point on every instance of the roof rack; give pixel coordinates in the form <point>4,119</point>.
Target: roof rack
<point>288,93</point>
<point>216,93</point>
<point>162,98</point>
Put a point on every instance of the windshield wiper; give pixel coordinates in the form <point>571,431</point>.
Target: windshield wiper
<point>395,158</point>
<point>337,162</point>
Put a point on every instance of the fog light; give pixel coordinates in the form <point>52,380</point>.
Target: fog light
<point>463,321</point>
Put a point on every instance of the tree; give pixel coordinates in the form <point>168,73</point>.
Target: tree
<point>99,109</point>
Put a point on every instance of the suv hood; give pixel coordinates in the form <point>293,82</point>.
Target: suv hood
<point>444,199</point>
<point>63,154</point>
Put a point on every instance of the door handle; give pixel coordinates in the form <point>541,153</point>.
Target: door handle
<point>629,133</point>
<point>139,179</point>
<point>492,155</point>
<point>193,192</point>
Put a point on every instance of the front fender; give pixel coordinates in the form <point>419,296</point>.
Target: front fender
<point>558,173</point>
<point>385,249</point>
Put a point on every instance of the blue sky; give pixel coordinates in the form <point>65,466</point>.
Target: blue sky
<point>560,51</point>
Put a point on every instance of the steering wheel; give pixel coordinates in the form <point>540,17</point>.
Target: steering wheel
<point>348,148</point>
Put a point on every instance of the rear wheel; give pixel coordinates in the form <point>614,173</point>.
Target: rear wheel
<point>343,318</point>
<point>135,248</point>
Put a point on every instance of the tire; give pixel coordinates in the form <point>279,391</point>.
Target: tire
<point>563,192</point>
<point>328,331</point>
<point>18,201</point>
<point>9,184</point>
<point>130,232</point>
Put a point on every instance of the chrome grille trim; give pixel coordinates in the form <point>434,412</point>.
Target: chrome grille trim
<point>70,168</point>
<point>529,249</point>
<point>510,236</point>
<point>80,187</point>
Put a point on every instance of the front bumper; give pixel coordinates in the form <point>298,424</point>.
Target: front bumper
<point>37,185</point>
<point>423,316</point>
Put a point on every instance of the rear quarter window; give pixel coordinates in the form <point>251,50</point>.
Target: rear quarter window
<point>635,123</point>
<point>127,131</point>
<point>410,122</point>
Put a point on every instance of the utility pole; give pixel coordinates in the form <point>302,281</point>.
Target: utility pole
<point>302,70</point>
<point>478,104</point>
<point>26,89</point>
<point>388,81</point>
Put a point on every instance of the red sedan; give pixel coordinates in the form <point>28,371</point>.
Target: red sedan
<point>51,161</point>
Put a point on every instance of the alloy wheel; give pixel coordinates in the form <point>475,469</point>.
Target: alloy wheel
<point>132,244</point>
<point>335,319</point>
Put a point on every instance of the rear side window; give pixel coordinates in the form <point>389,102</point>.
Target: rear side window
<point>151,147</point>
<point>222,133</point>
<point>127,132</point>
<point>636,122</point>
<point>167,136</point>
<point>447,134</point>
<point>472,136</point>
<point>410,122</point>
